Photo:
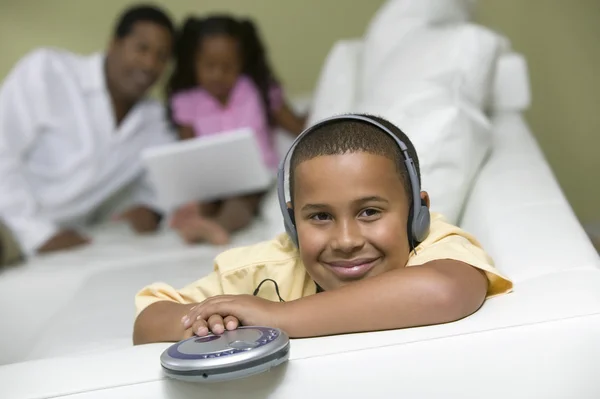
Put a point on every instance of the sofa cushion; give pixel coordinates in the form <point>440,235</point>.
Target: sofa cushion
<point>396,18</point>
<point>452,139</point>
<point>461,57</point>
<point>511,89</point>
<point>335,92</point>
<point>434,83</point>
<point>431,11</point>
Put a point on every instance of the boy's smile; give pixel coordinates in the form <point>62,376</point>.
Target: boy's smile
<point>351,214</point>
<point>353,268</point>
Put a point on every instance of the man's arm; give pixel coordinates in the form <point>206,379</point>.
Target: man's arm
<point>437,292</point>
<point>21,97</point>
<point>139,205</point>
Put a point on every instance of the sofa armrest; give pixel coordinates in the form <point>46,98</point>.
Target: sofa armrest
<point>518,212</point>
<point>510,89</point>
<point>555,318</point>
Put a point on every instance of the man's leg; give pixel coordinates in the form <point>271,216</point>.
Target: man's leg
<point>10,252</point>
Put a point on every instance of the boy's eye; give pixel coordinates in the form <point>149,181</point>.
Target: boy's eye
<point>320,217</point>
<point>370,213</point>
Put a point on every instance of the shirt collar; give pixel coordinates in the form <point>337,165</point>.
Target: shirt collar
<point>92,76</point>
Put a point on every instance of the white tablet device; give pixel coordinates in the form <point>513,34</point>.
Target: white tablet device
<point>207,168</point>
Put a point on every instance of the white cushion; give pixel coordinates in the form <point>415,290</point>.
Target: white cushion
<point>396,18</point>
<point>452,139</point>
<point>431,11</point>
<point>434,85</point>
<point>511,90</point>
<point>458,56</point>
<point>335,92</point>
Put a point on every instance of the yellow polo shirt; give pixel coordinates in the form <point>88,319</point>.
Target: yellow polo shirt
<point>241,270</point>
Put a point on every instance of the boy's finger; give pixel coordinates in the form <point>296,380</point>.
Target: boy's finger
<point>211,306</point>
<point>200,328</point>
<point>231,323</point>
<point>190,318</point>
<point>194,313</point>
<point>216,324</point>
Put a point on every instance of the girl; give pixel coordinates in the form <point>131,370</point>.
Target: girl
<point>222,81</point>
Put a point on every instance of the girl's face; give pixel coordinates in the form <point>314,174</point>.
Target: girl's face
<point>218,65</point>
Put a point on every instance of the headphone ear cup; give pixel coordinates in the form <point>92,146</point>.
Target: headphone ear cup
<point>421,223</point>
<point>409,227</point>
<point>290,227</point>
<point>291,214</point>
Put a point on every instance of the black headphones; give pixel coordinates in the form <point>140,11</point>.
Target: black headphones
<point>418,218</point>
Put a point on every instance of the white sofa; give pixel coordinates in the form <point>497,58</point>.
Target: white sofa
<point>67,318</point>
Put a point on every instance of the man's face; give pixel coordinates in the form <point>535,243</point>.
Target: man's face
<point>136,61</point>
<point>351,214</point>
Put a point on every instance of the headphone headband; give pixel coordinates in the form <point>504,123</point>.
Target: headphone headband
<point>419,217</point>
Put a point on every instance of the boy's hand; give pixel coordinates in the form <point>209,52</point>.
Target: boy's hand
<point>230,311</point>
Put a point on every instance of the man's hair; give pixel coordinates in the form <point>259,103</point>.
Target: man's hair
<point>350,136</point>
<point>142,13</point>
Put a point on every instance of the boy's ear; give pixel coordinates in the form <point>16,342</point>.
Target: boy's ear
<point>425,199</point>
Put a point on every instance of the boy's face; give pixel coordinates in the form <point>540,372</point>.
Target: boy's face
<point>351,214</point>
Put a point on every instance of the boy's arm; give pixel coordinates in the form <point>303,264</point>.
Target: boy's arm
<point>437,292</point>
<point>160,308</point>
<point>161,322</point>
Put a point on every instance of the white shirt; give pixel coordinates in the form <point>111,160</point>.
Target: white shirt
<point>61,154</point>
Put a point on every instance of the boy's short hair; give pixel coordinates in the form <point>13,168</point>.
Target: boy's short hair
<point>142,13</point>
<point>350,136</point>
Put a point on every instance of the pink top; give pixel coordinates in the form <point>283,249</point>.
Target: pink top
<point>200,110</point>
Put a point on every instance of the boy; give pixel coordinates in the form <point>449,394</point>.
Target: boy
<point>351,201</point>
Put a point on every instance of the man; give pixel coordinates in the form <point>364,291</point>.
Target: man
<point>71,131</point>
